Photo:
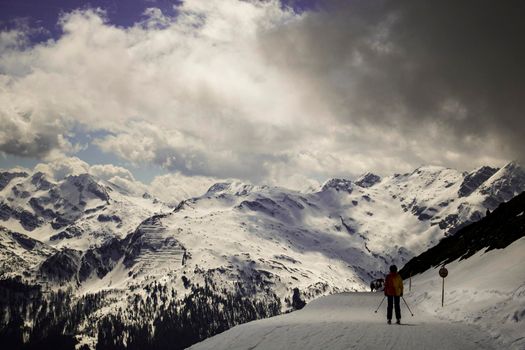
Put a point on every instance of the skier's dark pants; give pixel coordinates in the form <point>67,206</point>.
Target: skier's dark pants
<point>395,300</point>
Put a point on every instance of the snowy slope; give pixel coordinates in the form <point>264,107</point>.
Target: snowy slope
<point>348,321</point>
<point>486,290</point>
<point>78,212</point>
<point>19,252</point>
<point>337,238</point>
<point>268,238</point>
<point>484,309</point>
<point>486,281</point>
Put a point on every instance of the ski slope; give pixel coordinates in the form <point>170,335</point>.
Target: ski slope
<point>348,321</point>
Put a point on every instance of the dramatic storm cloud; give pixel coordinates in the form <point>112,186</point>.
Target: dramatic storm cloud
<point>430,69</point>
<point>258,91</point>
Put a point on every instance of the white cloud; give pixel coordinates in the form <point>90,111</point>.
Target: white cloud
<point>136,188</point>
<point>61,167</point>
<point>212,92</point>
<point>12,39</point>
<point>172,188</point>
<point>108,171</point>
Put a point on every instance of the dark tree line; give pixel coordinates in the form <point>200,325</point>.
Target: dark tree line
<point>177,325</point>
<point>31,318</point>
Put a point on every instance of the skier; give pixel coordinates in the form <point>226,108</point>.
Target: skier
<point>393,291</point>
<point>376,284</point>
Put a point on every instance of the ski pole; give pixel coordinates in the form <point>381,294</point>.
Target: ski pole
<point>407,305</point>
<point>381,303</point>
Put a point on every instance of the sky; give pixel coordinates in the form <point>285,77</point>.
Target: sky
<point>282,93</point>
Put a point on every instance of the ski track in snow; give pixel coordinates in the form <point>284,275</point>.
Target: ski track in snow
<point>348,321</point>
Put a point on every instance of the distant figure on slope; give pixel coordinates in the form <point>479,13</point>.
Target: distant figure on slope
<point>376,284</point>
<point>297,302</point>
<point>393,291</point>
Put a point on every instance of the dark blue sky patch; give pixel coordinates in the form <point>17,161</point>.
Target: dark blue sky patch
<point>43,15</point>
<point>304,5</point>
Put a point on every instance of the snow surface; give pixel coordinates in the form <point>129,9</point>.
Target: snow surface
<point>484,309</point>
<point>348,321</point>
<point>487,290</point>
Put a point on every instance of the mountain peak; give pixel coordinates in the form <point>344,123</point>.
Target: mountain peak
<point>39,179</point>
<point>234,188</point>
<point>338,185</point>
<point>433,169</point>
<point>218,187</point>
<point>475,179</point>
<point>81,178</point>
<point>368,180</point>
<point>86,183</point>
<point>510,170</point>
<point>506,183</point>
<point>513,166</point>
<point>6,177</point>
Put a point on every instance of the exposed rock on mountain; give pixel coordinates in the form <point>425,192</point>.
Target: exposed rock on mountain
<point>368,180</point>
<point>475,179</point>
<point>6,177</point>
<point>62,266</point>
<point>497,230</point>
<point>338,185</point>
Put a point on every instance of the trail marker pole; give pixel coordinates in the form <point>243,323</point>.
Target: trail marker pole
<point>443,272</point>
<point>410,283</point>
<point>443,294</point>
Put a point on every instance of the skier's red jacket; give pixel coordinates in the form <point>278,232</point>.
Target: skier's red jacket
<point>393,284</point>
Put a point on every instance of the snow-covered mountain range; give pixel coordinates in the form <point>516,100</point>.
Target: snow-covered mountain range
<point>255,242</point>
<point>483,305</point>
